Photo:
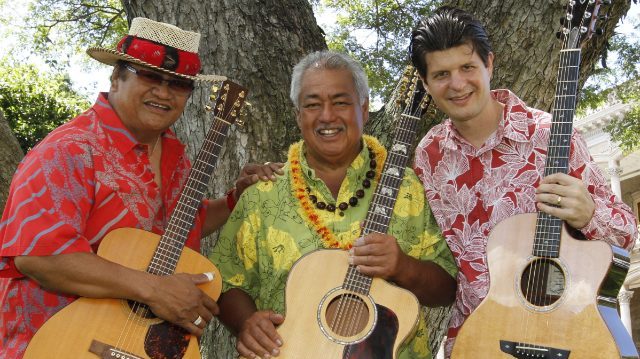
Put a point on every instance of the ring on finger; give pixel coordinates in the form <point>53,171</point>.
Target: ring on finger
<point>559,200</point>
<point>198,321</point>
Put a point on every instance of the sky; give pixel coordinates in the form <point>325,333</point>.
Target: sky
<point>89,82</point>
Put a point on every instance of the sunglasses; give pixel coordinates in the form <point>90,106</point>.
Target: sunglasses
<point>155,79</point>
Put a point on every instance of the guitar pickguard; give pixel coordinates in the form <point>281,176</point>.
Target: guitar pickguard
<point>166,341</point>
<point>378,345</point>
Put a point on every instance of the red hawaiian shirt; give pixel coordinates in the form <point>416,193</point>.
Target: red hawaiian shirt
<point>470,190</point>
<point>86,178</point>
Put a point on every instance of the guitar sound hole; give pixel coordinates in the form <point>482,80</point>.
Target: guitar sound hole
<point>347,315</point>
<point>542,282</point>
<point>140,309</point>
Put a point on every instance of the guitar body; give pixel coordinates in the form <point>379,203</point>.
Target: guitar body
<point>368,326</point>
<point>509,324</point>
<point>95,328</point>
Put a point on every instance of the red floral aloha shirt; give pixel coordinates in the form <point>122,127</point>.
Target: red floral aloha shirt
<point>470,190</point>
<point>86,178</point>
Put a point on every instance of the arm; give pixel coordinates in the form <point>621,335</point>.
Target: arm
<point>255,330</point>
<point>174,298</point>
<point>378,255</point>
<point>218,210</point>
<point>587,202</point>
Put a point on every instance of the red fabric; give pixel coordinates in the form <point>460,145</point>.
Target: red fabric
<point>154,54</point>
<point>87,178</point>
<point>471,190</point>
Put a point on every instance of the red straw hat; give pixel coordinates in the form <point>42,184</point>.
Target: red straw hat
<point>159,46</point>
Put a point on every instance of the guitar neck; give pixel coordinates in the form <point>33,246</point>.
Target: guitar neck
<point>183,217</point>
<point>384,198</point>
<point>548,227</point>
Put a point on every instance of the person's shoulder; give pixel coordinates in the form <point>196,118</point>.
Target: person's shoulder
<point>74,137</point>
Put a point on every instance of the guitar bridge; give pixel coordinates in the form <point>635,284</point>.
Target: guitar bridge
<point>529,351</point>
<point>106,351</point>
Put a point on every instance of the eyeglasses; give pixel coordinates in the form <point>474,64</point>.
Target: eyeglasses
<point>155,79</point>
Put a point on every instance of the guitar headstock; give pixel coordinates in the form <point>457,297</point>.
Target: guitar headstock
<point>579,22</point>
<point>229,101</point>
<point>413,97</point>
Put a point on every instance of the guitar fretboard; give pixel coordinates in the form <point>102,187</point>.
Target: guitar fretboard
<point>548,227</point>
<point>168,253</point>
<point>384,198</point>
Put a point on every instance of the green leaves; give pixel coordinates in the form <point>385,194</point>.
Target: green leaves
<point>376,32</point>
<point>62,25</point>
<point>618,82</point>
<point>34,103</point>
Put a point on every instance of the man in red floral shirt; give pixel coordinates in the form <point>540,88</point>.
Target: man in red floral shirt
<point>116,165</point>
<point>485,163</point>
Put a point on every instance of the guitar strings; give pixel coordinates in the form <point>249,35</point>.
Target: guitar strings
<point>171,248</point>
<point>536,285</point>
<point>346,314</point>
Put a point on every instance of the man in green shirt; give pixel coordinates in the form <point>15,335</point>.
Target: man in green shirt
<point>321,202</point>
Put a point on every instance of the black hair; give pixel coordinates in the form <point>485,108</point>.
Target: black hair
<point>447,27</point>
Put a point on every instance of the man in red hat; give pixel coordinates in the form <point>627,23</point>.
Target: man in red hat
<point>116,165</point>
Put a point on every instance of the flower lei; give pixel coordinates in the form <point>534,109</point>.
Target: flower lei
<point>300,190</point>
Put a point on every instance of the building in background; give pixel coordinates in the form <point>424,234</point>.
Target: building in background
<point>623,172</point>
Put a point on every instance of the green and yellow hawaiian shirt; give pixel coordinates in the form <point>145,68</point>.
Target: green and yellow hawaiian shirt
<point>268,231</point>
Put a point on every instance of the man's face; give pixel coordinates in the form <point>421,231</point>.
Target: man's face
<point>331,117</point>
<point>145,106</point>
<point>459,83</point>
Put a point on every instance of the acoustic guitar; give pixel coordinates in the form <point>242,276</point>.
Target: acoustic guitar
<point>114,328</point>
<point>551,295</point>
<point>343,313</point>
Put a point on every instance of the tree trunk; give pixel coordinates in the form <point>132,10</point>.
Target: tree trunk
<point>10,156</point>
<point>256,44</point>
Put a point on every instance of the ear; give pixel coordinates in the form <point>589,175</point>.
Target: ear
<point>365,111</point>
<point>490,58</point>
<point>296,113</point>
<point>114,80</point>
<point>425,85</point>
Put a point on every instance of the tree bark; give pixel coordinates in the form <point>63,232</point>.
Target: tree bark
<point>10,156</point>
<point>256,44</point>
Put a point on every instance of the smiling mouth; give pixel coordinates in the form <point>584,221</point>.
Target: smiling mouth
<point>328,131</point>
<point>460,98</point>
<point>157,105</point>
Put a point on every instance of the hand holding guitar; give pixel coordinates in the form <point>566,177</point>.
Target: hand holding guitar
<point>177,299</point>
<point>567,198</point>
<point>258,335</point>
<point>377,255</point>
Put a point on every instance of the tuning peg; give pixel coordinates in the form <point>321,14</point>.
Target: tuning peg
<point>248,104</point>
<point>208,108</point>
<point>240,123</point>
<point>215,88</point>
